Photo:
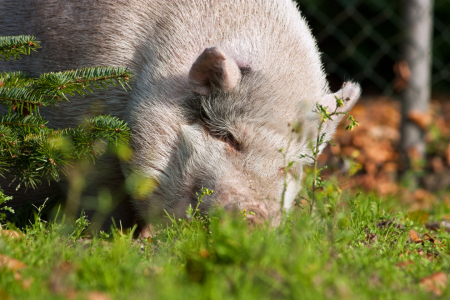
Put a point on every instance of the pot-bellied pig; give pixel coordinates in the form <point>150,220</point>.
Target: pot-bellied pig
<point>218,86</point>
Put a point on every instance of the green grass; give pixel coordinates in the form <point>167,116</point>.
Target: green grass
<point>327,256</point>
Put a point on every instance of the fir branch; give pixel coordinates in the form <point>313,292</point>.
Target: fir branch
<point>20,98</point>
<point>12,47</point>
<point>24,124</point>
<point>25,95</point>
<point>61,84</point>
<point>100,128</point>
<point>31,151</point>
<point>15,79</point>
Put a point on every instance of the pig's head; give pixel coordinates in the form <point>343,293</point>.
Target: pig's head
<point>226,135</point>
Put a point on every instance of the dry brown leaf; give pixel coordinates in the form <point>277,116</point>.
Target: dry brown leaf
<point>428,237</point>
<point>60,280</point>
<point>427,255</point>
<point>447,154</point>
<point>26,283</point>
<point>11,263</point>
<point>390,167</point>
<point>381,153</point>
<point>420,118</point>
<point>11,233</point>
<point>405,264</point>
<point>437,164</point>
<point>371,238</point>
<point>424,196</point>
<point>402,75</point>
<point>435,283</point>
<point>414,236</point>
<point>17,276</point>
<point>371,168</point>
<point>335,149</point>
<point>97,296</point>
<point>376,141</point>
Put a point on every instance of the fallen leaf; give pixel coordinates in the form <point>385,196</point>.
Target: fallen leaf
<point>414,236</point>
<point>371,237</point>
<point>420,118</point>
<point>428,255</point>
<point>11,233</point>
<point>26,283</point>
<point>402,75</point>
<point>405,264</point>
<point>437,164</point>
<point>60,281</point>
<point>435,283</point>
<point>11,263</point>
<point>17,276</point>
<point>97,296</point>
<point>447,154</point>
<point>428,237</point>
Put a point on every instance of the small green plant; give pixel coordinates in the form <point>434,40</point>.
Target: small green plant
<point>3,200</point>
<point>81,225</point>
<point>324,116</point>
<point>192,213</point>
<point>287,166</point>
<point>195,221</point>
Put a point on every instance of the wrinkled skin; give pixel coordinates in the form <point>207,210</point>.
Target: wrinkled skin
<point>218,87</point>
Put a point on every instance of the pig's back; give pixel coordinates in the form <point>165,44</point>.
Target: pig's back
<point>160,39</point>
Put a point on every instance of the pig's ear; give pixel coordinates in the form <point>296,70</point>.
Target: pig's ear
<point>349,93</point>
<point>214,68</point>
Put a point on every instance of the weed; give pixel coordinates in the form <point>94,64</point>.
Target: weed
<point>324,116</point>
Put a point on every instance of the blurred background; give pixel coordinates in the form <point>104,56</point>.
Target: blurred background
<point>399,51</point>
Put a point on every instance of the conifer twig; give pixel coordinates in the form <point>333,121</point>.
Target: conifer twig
<point>12,47</point>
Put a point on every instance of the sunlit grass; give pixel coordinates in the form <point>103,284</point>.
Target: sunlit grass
<point>348,249</point>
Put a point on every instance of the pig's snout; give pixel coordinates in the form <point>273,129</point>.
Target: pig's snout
<point>255,215</point>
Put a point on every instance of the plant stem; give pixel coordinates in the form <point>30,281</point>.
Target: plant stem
<point>285,170</point>
<point>315,154</point>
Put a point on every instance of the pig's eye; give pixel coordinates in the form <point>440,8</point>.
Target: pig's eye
<point>229,138</point>
<point>219,134</point>
<point>225,137</point>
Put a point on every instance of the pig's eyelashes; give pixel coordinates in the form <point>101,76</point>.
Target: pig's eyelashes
<point>225,137</point>
<point>230,140</point>
<point>219,134</point>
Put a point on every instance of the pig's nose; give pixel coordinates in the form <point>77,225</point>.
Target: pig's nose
<point>254,215</point>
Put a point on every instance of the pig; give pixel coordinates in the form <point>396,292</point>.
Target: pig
<point>218,87</point>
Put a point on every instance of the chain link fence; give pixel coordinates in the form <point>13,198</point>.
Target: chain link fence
<point>364,40</point>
